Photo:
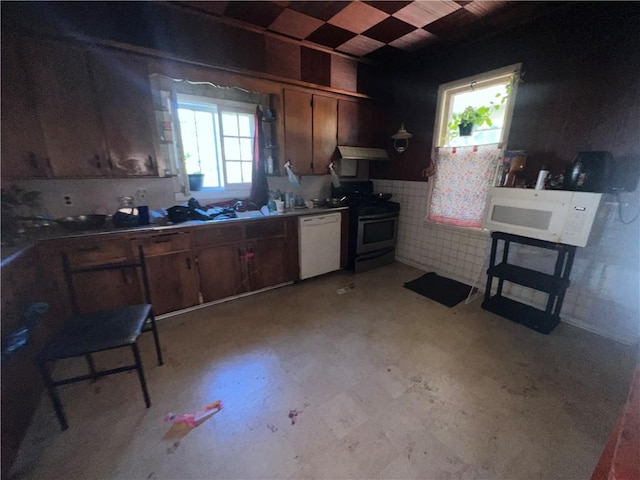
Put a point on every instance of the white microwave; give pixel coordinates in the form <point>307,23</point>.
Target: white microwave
<point>554,215</point>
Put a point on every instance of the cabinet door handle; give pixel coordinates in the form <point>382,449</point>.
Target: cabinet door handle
<point>110,163</point>
<point>163,240</point>
<point>33,161</point>
<point>97,159</point>
<point>150,162</point>
<point>188,263</point>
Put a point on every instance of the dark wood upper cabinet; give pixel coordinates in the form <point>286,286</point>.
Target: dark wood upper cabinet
<point>24,154</point>
<point>311,126</point>
<point>325,131</point>
<point>298,121</point>
<point>125,104</point>
<point>67,108</point>
<point>360,124</point>
<point>348,121</point>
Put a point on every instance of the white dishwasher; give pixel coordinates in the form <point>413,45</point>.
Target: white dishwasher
<point>319,244</point>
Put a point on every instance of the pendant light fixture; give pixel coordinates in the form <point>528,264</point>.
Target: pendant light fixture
<point>401,139</point>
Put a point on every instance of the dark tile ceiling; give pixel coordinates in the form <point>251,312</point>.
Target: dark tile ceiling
<point>376,30</point>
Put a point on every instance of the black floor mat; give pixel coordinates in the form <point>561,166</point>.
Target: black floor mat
<point>441,289</point>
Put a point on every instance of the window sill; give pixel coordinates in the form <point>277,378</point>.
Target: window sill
<point>209,196</point>
<point>476,232</point>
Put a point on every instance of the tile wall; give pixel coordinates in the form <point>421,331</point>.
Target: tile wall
<point>604,295</point>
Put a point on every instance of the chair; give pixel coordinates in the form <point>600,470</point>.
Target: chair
<point>93,332</point>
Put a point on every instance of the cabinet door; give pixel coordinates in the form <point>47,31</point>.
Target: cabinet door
<point>222,272</point>
<point>126,110</point>
<point>267,260</point>
<point>67,109</point>
<point>173,282</point>
<point>348,122</point>
<point>23,149</point>
<point>371,126</point>
<point>298,131</point>
<point>325,132</point>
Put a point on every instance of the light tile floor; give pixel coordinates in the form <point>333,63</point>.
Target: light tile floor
<point>388,384</point>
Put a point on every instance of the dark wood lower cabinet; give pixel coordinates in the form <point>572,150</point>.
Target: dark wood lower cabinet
<point>222,272</point>
<point>266,262</point>
<point>173,282</point>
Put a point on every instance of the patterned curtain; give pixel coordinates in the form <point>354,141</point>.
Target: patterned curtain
<point>259,187</point>
<point>463,177</point>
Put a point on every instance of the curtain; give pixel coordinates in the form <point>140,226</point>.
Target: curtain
<point>259,187</point>
<point>463,177</point>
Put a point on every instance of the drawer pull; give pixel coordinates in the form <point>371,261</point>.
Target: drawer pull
<point>188,263</point>
<point>164,240</point>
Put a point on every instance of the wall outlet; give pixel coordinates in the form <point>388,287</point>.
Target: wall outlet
<point>68,200</point>
<point>141,195</point>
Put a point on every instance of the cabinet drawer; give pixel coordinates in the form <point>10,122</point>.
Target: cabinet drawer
<point>271,228</point>
<point>161,244</point>
<point>219,235</point>
<point>96,253</point>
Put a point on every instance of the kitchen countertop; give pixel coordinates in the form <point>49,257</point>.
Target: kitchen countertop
<point>55,232</point>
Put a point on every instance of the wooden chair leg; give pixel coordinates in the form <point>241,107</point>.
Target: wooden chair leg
<point>143,383</point>
<point>156,338</point>
<point>53,395</point>
<point>92,367</point>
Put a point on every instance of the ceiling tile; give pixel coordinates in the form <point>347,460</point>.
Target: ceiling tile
<point>256,13</point>
<point>216,8</point>
<point>358,17</point>
<point>414,40</point>
<point>415,15</point>
<point>453,25</point>
<point>322,10</point>
<point>388,7</point>
<point>438,9</point>
<point>386,54</point>
<point>389,30</point>
<point>483,8</point>
<point>295,24</point>
<point>330,36</point>
<point>360,46</point>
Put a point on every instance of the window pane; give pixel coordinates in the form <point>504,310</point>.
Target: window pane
<point>229,124</point>
<point>234,172</point>
<point>246,149</point>
<point>247,168</point>
<point>245,122</point>
<point>490,97</point>
<point>232,148</point>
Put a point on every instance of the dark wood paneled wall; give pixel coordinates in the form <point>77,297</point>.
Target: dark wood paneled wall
<point>580,92</point>
<point>189,34</point>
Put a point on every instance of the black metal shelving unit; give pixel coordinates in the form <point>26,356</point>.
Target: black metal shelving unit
<point>554,285</point>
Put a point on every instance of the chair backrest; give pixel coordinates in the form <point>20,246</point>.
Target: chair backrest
<point>70,271</point>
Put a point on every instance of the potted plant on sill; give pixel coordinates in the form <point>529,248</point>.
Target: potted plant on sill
<point>196,178</point>
<point>462,123</point>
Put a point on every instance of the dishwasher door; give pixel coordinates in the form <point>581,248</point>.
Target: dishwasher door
<point>319,244</point>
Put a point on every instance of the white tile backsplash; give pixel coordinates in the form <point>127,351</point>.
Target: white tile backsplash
<point>604,295</point>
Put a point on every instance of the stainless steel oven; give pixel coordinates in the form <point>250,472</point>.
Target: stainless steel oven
<point>373,225</point>
<point>376,232</point>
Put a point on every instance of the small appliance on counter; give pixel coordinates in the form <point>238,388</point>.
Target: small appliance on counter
<point>127,214</point>
<point>590,172</point>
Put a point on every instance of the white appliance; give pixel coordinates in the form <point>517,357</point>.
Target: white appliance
<point>554,215</point>
<point>319,244</point>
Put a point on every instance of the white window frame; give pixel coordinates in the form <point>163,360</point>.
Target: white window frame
<point>479,80</point>
<point>230,190</point>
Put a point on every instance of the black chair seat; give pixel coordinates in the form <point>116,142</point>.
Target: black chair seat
<point>98,331</point>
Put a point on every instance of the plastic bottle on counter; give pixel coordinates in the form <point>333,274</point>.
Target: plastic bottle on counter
<point>542,178</point>
<point>269,165</point>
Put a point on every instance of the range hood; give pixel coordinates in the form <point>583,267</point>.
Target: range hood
<point>362,153</point>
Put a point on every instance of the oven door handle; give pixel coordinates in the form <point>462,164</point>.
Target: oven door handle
<point>380,216</point>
